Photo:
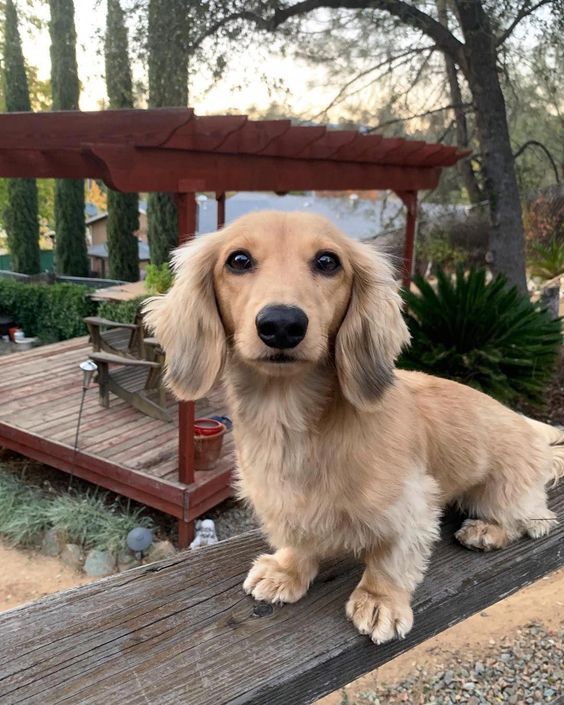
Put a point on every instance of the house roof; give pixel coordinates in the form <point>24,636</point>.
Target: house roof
<point>360,218</point>
<point>175,150</point>
<point>101,251</point>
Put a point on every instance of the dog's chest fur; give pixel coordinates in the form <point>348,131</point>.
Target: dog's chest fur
<point>306,482</point>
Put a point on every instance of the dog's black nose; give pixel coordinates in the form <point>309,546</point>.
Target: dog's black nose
<point>281,327</point>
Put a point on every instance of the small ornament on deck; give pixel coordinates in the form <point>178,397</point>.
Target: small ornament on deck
<point>205,534</point>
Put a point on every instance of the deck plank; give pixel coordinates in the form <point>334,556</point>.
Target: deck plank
<point>41,393</point>
<point>182,631</point>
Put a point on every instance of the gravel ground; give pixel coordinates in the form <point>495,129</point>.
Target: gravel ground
<point>525,669</point>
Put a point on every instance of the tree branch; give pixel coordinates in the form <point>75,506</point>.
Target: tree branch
<point>389,61</point>
<point>536,143</point>
<point>525,10</point>
<point>419,115</point>
<point>405,12</point>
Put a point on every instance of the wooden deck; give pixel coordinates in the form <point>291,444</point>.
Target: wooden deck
<point>119,448</point>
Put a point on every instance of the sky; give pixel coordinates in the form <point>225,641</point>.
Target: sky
<point>242,86</point>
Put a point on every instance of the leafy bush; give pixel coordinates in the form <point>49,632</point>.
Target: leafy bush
<point>52,312</point>
<point>485,334</point>
<point>438,250</point>
<point>547,260</point>
<point>158,279</point>
<point>120,311</point>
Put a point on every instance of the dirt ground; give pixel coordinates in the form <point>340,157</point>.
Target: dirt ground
<point>26,576</point>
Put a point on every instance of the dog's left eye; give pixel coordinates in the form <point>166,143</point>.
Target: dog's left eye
<point>240,261</point>
<point>326,262</point>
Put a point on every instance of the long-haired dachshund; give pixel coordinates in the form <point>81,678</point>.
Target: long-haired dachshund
<point>337,451</point>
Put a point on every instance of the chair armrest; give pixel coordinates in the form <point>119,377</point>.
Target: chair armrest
<point>95,321</point>
<point>108,358</point>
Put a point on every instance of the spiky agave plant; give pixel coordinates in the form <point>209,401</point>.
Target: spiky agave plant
<point>482,333</point>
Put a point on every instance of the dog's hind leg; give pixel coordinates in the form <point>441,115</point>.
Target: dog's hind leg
<point>509,504</point>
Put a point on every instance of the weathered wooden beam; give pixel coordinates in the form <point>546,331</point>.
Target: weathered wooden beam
<point>182,632</point>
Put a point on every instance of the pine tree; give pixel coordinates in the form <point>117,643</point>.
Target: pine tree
<point>123,208</point>
<point>21,216</point>
<point>71,255</point>
<point>168,87</point>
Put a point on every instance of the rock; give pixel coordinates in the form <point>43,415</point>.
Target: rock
<point>159,550</point>
<point>126,560</point>
<point>478,668</point>
<point>447,678</point>
<point>99,563</point>
<point>469,686</point>
<point>72,556</point>
<point>53,542</point>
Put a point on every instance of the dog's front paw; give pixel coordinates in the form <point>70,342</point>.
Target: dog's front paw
<point>382,616</point>
<point>270,582</point>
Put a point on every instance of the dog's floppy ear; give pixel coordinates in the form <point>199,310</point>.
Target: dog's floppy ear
<point>373,331</point>
<point>186,321</point>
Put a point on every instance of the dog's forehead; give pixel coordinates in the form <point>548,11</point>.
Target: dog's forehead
<point>291,232</point>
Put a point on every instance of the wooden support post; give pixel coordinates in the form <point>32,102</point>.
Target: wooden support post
<point>186,207</point>
<point>410,200</point>
<point>186,533</point>
<point>220,200</point>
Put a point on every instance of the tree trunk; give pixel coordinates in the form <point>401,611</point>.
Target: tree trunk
<point>507,239</point>
<point>464,166</point>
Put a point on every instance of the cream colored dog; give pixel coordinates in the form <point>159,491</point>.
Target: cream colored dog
<point>337,451</point>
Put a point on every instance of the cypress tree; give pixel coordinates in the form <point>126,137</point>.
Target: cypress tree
<point>123,208</point>
<point>71,255</point>
<point>21,216</point>
<point>168,87</point>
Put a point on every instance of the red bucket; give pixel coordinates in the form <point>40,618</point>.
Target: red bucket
<point>208,442</point>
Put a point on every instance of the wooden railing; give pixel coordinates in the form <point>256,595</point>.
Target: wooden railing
<point>181,632</point>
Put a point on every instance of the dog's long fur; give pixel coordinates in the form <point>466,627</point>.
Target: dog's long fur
<point>338,451</point>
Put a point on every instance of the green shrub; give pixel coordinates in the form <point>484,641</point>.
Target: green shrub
<point>485,334</point>
<point>547,259</point>
<point>158,279</point>
<point>120,311</point>
<point>441,252</point>
<point>52,312</point>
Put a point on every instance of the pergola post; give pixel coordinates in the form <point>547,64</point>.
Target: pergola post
<point>187,211</point>
<point>220,199</point>
<point>410,200</point>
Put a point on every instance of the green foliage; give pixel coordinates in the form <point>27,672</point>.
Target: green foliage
<point>485,334</point>
<point>90,520</point>
<point>440,252</point>
<point>547,260</point>
<point>123,208</point>
<point>168,87</point>
<point>158,279</point>
<point>22,511</point>
<point>22,227</point>
<point>21,211</point>
<point>120,311</point>
<point>52,312</point>
<point>70,239</point>
<point>69,193</point>
<point>123,245</point>
<point>64,71</point>
<point>163,226</point>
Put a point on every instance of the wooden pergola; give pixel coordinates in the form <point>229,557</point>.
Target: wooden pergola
<point>176,151</point>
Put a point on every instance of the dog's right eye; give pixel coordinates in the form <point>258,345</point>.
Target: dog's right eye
<point>239,262</point>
